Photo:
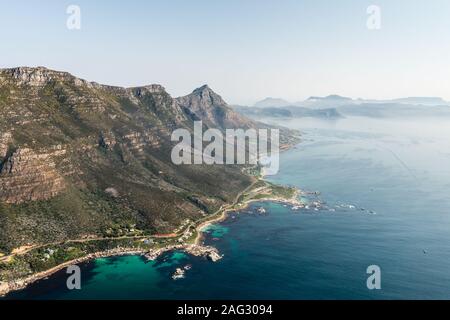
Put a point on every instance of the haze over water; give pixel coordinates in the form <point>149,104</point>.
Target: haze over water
<point>388,181</point>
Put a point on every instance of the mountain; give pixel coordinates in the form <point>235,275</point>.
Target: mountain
<point>331,101</point>
<point>203,103</point>
<point>335,101</point>
<point>271,102</point>
<point>288,112</point>
<point>336,106</point>
<point>81,159</point>
<point>333,97</point>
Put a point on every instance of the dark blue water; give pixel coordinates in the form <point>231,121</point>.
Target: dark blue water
<point>386,187</point>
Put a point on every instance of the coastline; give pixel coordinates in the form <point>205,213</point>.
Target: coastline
<point>242,206</point>
<point>209,252</point>
<point>195,248</point>
<point>20,284</point>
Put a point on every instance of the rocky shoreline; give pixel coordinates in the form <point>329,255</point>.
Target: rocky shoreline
<point>208,252</point>
<point>196,249</point>
<point>293,201</point>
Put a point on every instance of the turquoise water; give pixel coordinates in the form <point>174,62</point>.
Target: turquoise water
<point>215,230</point>
<point>386,187</point>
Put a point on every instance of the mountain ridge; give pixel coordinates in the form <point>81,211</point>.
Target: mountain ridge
<point>334,100</point>
<point>271,102</point>
<point>78,158</point>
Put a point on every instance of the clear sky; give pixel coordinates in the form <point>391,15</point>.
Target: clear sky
<point>245,50</point>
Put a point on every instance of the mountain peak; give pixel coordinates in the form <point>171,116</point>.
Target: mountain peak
<point>203,88</point>
<point>203,103</point>
<point>207,95</point>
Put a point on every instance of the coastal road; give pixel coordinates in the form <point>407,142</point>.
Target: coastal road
<point>208,220</point>
<point>25,249</point>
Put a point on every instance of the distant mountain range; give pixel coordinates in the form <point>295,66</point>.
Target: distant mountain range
<point>271,102</point>
<point>288,112</point>
<point>335,106</point>
<point>332,97</point>
<point>333,101</point>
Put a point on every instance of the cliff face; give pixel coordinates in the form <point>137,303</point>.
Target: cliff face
<point>27,176</point>
<point>66,143</point>
<point>5,139</point>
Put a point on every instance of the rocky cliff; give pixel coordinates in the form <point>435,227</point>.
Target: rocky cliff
<point>78,158</point>
<point>26,176</point>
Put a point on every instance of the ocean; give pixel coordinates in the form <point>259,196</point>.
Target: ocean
<point>385,185</point>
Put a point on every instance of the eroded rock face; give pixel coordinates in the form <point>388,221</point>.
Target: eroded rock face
<point>107,140</point>
<point>27,175</point>
<point>5,139</point>
<point>35,76</point>
<point>41,76</point>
